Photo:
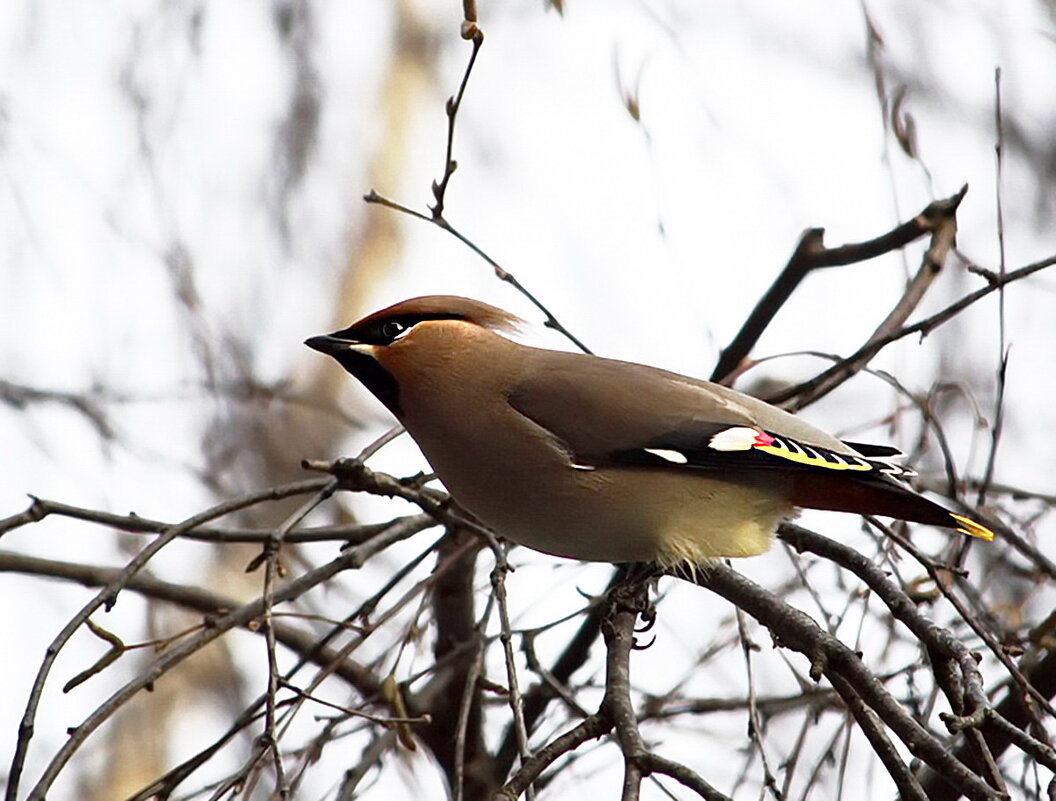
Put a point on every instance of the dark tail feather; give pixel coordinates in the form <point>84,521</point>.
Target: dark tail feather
<point>871,451</point>
<point>878,497</point>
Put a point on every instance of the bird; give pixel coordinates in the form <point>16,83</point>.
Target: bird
<point>601,460</point>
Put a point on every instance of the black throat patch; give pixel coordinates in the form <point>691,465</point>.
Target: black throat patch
<point>373,376</point>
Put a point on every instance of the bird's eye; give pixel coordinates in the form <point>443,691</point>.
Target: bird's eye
<point>392,330</point>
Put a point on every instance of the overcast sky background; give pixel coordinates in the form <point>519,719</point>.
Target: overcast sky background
<point>139,136</point>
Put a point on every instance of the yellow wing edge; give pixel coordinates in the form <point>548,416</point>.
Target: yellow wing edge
<point>973,529</point>
<point>813,461</point>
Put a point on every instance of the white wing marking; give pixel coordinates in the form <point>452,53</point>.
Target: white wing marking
<point>668,455</point>
<point>739,438</point>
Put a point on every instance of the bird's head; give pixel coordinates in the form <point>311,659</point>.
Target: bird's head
<point>412,332</point>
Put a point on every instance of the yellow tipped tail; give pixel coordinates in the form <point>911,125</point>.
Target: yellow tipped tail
<point>972,529</point>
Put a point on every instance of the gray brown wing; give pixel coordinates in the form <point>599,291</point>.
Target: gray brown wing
<point>604,412</point>
<point>597,408</point>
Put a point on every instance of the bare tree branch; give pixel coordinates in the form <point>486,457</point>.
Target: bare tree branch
<point>812,254</point>
<point>924,327</point>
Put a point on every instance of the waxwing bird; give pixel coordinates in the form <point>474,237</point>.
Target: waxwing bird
<point>604,460</point>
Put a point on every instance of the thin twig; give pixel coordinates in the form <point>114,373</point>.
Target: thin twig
<point>19,396</point>
<point>1003,350</point>
<point>471,31</point>
<point>755,722</point>
<point>498,583</point>
<point>271,551</point>
<point>239,617</point>
<point>469,695</point>
<point>999,737</point>
<point>574,655</point>
<point>812,254</point>
<point>828,655</point>
<point>108,596</point>
<point>589,729</point>
<point>40,508</point>
<point>942,224</point>
<point>869,722</point>
<point>922,327</point>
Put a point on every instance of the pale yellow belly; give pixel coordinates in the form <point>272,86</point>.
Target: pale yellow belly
<point>625,515</point>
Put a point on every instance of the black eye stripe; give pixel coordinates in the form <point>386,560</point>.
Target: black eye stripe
<point>388,330</point>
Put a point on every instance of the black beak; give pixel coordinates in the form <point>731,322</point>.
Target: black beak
<point>358,358</point>
<point>328,344</point>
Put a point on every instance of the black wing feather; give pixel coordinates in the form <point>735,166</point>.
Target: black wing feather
<point>662,452</point>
